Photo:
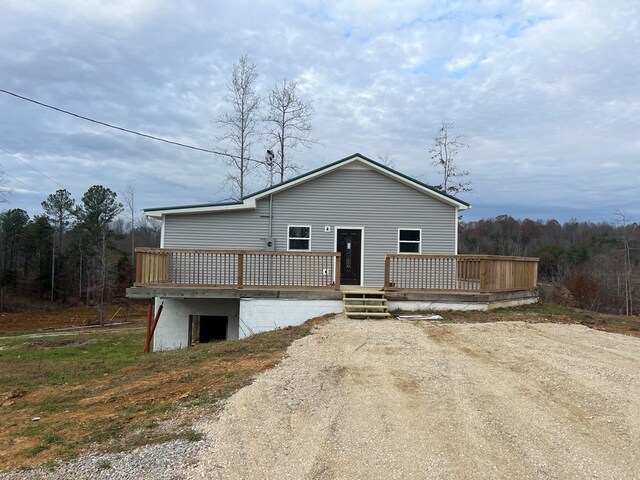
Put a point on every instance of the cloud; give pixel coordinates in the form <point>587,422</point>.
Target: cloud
<point>545,92</point>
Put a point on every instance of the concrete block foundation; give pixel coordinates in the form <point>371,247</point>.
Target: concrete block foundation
<point>261,315</point>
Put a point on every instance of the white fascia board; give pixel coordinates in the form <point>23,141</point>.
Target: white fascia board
<point>246,204</point>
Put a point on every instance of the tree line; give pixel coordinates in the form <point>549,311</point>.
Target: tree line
<point>74,251</point>
<point>590,265</point>
<point>82,251</point>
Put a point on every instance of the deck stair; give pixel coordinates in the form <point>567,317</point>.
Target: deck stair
<point>365,303</point>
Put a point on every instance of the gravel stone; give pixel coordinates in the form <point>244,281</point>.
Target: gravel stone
<point>164,461</point>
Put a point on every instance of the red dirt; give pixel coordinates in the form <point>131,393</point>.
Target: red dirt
<point>68,317</point>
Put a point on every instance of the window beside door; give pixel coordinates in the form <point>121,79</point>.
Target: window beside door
<point>299,237</point>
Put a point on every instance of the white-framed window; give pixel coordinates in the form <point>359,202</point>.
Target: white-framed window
<point>299,237</point>
<point>409,240</point>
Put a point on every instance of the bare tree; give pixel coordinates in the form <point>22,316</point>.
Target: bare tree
<point>288,120</point>
<point>4,191</point>
<point>443,152</point>
<point>128,197</point>
<point>626,238</point>
<point>241,122</point>
<point>387,160</point>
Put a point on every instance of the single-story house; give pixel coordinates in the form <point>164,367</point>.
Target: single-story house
<point>290,252</point>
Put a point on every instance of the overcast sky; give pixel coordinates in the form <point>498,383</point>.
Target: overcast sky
<point>546,93</point>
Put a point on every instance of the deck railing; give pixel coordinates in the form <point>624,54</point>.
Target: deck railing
<point>262,269</point>
<point>481,273</point>
<point>236,269</point>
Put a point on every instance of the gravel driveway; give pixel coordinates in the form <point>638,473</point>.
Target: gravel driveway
<point>392,399</point>
<point>399,400</point>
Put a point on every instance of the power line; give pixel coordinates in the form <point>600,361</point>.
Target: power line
<point>25,184</point>
<point>31,167</point>
<point>122,129</point>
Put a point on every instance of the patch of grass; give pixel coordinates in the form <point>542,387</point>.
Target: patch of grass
<point>193,436</point>
<point>105,430</point>
<point>539,308</point>
<point>104,465</point>
<point>48,441</point>
<point>18,333</point>
<point>494,315</point>
<point>151,425</point>
<point>545,312</point>
<point>205,398</point>
<point>52,439</point>
<point>109,396</point>
<point>69,364</point>
<point>57,404</point>
<point>32,452</point>
<point>50,465</point>
<point>67,450</point>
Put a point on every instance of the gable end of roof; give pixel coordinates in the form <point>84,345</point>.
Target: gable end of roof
<point>249,201</point>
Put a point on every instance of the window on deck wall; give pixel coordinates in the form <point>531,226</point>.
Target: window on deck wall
<point>299,237</point>
<point>409,240</point>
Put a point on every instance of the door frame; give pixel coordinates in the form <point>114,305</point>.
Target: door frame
<point>335,248</point>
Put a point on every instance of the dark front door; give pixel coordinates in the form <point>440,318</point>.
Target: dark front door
<point>349,244</point>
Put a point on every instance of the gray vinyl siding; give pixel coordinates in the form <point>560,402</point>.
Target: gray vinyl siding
<point>227,230</point>
<point>368,199</point>
<point>357,198</point>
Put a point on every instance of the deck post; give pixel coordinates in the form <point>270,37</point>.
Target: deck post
<point>164,276</point>
<point>139,267</point>
<point>240,270</point>
<point>387,272</point>
<point>147,343</point>
<point>483,274</point>
<point>153,328</point>
<point>336,273</point>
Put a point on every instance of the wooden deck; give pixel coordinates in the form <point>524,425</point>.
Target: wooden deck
<point>236,269</point>
<point>170,271</point>
<point>460,273</point>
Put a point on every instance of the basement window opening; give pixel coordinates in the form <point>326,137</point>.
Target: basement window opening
<point>207,328</point>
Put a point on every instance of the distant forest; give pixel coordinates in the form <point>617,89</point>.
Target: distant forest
<point>73,252</point>
<point>83,252</point>
<point>588,265</point>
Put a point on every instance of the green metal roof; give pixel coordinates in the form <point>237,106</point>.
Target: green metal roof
<point>198,205</point>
